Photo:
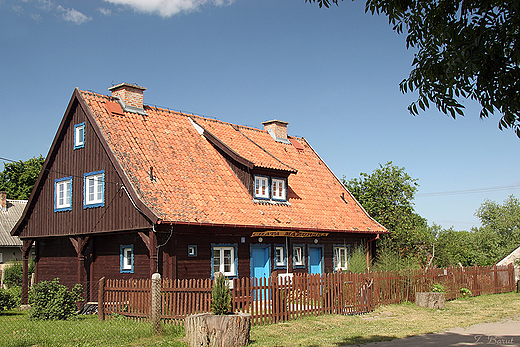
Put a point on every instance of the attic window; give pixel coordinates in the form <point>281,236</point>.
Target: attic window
<point>262,187</point>
<point>79,135</point>
<point>278,189</point>
<point>270,188</point>
<point>63,194</point>
<point>94,189</point>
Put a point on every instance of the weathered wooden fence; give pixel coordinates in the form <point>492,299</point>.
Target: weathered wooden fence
<point>275,299</point>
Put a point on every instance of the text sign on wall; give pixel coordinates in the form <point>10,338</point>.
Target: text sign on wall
<point>288,233</point>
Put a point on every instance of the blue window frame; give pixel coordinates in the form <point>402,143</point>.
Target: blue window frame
<point>126,256</point>
<point>79,135</point>
<point>192,250</point>
<point>298,256</point>
<point>341,254</point>
<point>278,189</point>
<point>224,259</point>
<point>280,256</point>
<point>63,194</point>
<point>94,189</point>
<point>261,187</point>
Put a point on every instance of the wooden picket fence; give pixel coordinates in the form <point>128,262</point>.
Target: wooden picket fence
<point>276,299</point>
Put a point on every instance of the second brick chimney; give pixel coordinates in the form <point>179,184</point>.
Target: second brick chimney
<point>130,97</point>
<point>277,129</point>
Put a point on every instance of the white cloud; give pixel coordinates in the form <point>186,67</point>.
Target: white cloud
<point>167,8</point>
<point>71,15</point>
<point>105,11</point>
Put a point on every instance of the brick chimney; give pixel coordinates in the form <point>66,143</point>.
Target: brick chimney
<point>3,201</point>
<point>277,129</point>
<point>130,97</point>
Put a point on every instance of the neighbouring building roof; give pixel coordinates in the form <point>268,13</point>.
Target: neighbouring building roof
<point>173,163</point>
<point>8,219</point>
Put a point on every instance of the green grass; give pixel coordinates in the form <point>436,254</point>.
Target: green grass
<point>16,330</point>
<point>385,323</point>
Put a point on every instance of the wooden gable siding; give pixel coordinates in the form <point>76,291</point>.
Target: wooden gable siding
<point>118,212</point>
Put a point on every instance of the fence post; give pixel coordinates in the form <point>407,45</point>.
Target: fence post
<point>155,312</point>
<point>101,295</point>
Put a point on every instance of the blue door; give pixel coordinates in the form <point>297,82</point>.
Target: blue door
<point>260,266</point>
<point>315,260</point>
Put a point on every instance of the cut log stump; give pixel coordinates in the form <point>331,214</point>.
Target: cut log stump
<point>430,299</point>
<point>207,329</point>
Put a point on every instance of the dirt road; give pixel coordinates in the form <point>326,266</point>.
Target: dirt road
<point>502,333</point>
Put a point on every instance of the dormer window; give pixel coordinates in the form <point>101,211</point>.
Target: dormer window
<point>79,135</point>
<point>278,189</point>
<point>262,187</point>
<point>270,188</point>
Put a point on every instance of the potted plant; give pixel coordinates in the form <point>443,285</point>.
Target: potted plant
<point>221,327</point>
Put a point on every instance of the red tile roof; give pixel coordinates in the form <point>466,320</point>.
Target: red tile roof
<point>194,184</point>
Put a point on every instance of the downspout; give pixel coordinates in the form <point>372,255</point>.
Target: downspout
<point>368,250</point>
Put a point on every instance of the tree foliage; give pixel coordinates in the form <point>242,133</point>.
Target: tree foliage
<point>18,178</point>
<point>220,295</point>
<point>465,49</point>
<point>387,194</point>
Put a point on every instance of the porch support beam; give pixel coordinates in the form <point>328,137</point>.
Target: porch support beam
<point>80,245</point>
<point>26,249</point>
<point>150,241</point>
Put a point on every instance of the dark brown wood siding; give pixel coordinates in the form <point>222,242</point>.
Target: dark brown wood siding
<point>118,212</point>
<point>200,266</point>
<point>56,258</point>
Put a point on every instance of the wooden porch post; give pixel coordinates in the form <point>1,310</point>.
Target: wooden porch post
<point>150,241</point>
<point>80,244</point>
<point>26,248</point>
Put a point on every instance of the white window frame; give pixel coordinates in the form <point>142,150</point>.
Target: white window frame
<point>127,259</point>
<point>275,189</point>
<point>221,266</point>
<point>1,257</point>
<point>79,135</point>
<point>63,194</point>
<point>298,256</point>
<point>280,258</point>
<point>261,187</point>
<point>96,196</point>
<point>339,252</point>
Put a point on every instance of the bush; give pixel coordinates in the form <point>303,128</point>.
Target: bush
<point>391,260</point>
<point>465,292</point>
<point>16,295</point>
<point>220,296</point>
<point>357,262</point>
<point>13,272</point>
<point>438,288</point>
<point>52,300</point>
<point>7,301</point>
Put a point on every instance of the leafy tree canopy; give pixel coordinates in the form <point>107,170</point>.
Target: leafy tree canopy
<point>18,178</point>
<point>387,195</point>
<point>466,49</point>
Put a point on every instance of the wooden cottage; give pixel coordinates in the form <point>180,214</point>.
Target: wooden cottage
<point>129,189</point>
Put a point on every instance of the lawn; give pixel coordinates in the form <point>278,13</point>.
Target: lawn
<point>385,323</point>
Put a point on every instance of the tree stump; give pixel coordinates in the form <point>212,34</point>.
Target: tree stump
<point>207,329</point>
<point>430,299</point>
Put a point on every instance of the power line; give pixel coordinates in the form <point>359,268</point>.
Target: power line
<point>470,191</point>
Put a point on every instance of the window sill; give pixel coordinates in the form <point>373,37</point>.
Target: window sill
<point>271,202</point>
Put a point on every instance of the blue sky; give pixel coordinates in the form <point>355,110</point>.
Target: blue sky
<point>333,74</point>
